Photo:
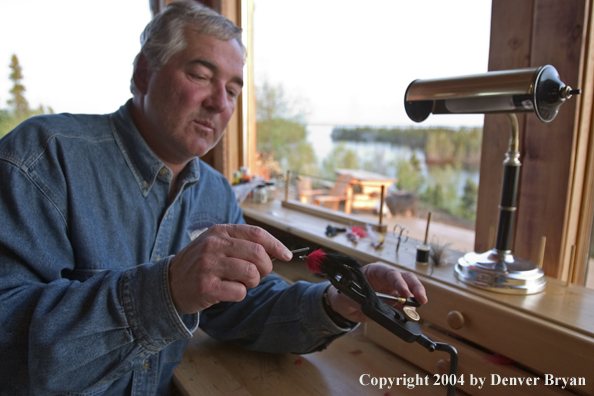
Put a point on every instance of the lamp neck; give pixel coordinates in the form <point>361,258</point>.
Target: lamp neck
<point>514,142</point>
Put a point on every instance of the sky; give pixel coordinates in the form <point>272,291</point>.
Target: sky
<point>76,55</point>
<point>346,63</point>
<point>353,63</point>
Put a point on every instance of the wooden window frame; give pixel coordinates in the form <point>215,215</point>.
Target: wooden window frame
<point>555,193</point>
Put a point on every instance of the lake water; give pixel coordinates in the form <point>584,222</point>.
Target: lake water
<point>383,155</point>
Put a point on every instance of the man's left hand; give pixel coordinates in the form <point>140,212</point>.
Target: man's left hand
<point>383,279</point>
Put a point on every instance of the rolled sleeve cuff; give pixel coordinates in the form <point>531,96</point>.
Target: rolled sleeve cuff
<point>149,308</point>
<point>315,317</point>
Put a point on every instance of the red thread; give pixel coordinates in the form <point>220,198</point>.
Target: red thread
<point>499,359</point>
<point>314,261</point>
<point>360,232</point>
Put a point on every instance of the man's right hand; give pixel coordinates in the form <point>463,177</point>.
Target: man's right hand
<point>221,264</point>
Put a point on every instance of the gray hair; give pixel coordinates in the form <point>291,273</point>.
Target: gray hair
<point>164,35</point>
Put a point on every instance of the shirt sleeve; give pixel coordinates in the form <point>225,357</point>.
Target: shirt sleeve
<point>275,317</point>
<point>62,330</point>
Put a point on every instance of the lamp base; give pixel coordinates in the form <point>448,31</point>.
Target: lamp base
<point>500,272</point>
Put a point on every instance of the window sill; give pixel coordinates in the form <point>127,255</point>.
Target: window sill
<point>571,307</point>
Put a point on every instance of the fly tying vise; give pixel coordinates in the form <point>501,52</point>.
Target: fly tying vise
<point>345,273</point>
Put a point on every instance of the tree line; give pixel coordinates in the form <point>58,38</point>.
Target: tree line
<point>18,108</point>
<point>441,145</point>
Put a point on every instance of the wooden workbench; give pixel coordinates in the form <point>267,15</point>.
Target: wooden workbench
<point>547,333</point>
<point>214,368</point>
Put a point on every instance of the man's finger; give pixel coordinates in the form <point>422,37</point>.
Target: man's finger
<point>396,280</point>
<point>273,246</point>
<point>405,283</point>
<point>231,291</point>
<point>417,288</point>
<point>238,270</point>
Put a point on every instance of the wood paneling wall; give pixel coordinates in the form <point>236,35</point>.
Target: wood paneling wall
<point>532,33</point>
<point>227,155</point>
<point>585,158</point>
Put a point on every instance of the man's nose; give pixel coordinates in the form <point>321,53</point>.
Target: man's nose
<point>217,99</point>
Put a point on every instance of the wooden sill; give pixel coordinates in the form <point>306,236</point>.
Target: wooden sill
<point>570,307</point>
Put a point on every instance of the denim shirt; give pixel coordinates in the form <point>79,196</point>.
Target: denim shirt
<point>86,236</point>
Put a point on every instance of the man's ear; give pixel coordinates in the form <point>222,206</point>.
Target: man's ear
<point>141,74</point>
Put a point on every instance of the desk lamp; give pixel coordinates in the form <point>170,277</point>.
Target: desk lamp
<point>538,90</point>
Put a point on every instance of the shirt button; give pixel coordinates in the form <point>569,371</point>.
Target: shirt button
<point>145,186</point>
<point>146,365</point>
<point>163,172</point>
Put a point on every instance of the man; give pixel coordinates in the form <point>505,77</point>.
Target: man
<point>117,241</point>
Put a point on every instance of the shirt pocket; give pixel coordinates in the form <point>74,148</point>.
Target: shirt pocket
<point>201,221</point>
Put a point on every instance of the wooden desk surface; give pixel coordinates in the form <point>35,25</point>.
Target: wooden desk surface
<point>214,368</point>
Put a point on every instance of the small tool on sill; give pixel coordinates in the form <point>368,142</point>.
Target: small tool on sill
<point>345,274</point>
<point>424,249</point>
<point>402,235</point>
<point>355,233</point>
<point>377,239</point>
<point>333,231</point>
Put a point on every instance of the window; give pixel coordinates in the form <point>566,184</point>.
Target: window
<point>331,74</point>
<point>553,198</point>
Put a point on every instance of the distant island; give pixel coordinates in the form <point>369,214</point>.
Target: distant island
<point>441,145</point>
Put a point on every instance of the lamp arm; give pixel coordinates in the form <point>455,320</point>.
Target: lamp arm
<point>514,143</point>
<point>509,190</point>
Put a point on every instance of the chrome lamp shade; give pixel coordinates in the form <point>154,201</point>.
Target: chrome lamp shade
<point>537,90</point>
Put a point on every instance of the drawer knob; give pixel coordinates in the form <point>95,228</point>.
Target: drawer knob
<point>455,319</point>
<point>443,366</point>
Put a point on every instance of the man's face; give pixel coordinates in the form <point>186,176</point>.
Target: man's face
<point>189,101</point>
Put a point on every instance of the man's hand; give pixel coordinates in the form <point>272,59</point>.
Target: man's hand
<point>383,279</point>
<point>221,264</point>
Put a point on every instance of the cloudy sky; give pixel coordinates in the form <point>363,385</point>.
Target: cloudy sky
<point>348,64</point>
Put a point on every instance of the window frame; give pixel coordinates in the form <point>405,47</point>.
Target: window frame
<point>553,198</point>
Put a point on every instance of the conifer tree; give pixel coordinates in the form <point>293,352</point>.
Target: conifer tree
<point>18,109</point>
<point>18,102</point>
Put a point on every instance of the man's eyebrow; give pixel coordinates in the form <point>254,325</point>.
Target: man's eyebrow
<point>214,68</point>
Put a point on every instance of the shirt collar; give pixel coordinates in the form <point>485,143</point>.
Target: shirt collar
<point>141,160</point>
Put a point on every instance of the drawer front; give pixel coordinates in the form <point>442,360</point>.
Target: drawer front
<point>540,345</point>
<point>472,362</point>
